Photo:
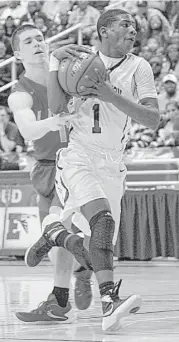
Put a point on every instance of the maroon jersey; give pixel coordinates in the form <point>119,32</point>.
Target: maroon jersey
<point>47,146</point>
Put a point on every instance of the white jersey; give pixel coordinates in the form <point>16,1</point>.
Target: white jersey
<point>102,126</point>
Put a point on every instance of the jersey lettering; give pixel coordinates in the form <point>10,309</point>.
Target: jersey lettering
<point>96,128</point>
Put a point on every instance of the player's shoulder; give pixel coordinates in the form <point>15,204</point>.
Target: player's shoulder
<point>19,99</point>
<point>142,63</point>
<point>138,59</point>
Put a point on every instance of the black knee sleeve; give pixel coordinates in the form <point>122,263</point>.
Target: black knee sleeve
<point>102,228</point>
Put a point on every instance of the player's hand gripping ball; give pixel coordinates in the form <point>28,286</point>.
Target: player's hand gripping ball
<point>71,73</point>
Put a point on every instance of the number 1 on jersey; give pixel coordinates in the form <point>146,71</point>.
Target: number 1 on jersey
<point>96,128</point>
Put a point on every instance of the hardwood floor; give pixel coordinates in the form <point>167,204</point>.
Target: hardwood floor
<point>22,289</point>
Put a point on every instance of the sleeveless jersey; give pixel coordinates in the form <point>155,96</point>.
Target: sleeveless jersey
<point>47,146</point>
<point>102,126</point>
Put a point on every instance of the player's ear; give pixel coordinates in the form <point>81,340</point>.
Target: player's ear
<point>17,54</point>
<point>103,32</point>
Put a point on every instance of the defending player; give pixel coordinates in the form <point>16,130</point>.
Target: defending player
<point>91,173</point>
<point>29,105</point>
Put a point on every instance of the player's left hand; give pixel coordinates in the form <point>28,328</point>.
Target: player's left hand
<point>101,89</point>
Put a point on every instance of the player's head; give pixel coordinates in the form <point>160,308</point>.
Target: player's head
<point>117,31</point>
<point>28,44</point>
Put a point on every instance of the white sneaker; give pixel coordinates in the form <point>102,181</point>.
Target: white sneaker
<point>115,308</point>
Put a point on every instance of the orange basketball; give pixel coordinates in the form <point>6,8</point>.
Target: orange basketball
<point>71,72</point>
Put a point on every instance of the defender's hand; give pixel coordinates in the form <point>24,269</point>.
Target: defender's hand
<point>61,119</point>
<point>71,51</point>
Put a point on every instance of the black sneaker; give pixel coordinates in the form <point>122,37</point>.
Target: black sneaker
<point>43,245</point>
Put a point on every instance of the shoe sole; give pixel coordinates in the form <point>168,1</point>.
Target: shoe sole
<point>130,306</point>
<point>30,256</point>
<point>68,321</point>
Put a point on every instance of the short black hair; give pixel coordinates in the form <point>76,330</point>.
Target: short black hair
<point>107,18</point>
<point>16,34</point>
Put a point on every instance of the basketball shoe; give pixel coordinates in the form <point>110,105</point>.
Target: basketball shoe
<point>51,233</point>
<point>49,311</point>
<point>115,308</point>
<point>83,291</point>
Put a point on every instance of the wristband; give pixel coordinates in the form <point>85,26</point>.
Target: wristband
<point>54,63</point>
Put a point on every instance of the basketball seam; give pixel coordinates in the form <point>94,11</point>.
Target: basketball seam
<point>83,74</point>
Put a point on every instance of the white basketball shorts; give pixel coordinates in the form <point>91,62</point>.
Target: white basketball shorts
<point>84,175</point>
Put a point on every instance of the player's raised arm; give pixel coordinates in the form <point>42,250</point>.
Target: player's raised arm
<point>20,104</point>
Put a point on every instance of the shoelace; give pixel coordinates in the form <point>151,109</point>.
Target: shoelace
<point>114,294</point>
<point>41,307</point>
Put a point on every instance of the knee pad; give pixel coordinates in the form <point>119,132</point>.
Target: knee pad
<point>102,228</point>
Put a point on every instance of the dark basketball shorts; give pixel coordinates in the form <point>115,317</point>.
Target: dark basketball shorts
<point>43,180</point>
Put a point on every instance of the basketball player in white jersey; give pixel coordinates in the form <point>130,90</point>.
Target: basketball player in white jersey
<point>29,104</point>
<point>90,172</point>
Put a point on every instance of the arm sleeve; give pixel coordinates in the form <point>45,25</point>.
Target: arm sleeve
<point>144,81</point>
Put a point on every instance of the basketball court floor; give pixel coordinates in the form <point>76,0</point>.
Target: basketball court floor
<point>157,282</point>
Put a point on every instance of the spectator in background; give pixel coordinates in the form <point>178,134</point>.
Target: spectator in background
<point>5,73</point>
<point>52,7</point>
<point>5,40</point>
<point>144,13</point>
<point>62,19</point>
<point>175,16</point>
<point>174,39</point>
<point>157,30</point>
<point>87,16</point>
<point>170,92</point>
<point>39,22</point>
<point>160,52</point>
<point>168,135</point>
<point>99,5</point>
<point>156,65</point>
<point>146,53</point>
<point>172,110</point>
<point>152,45</point>
<point>33,10</point>
<point>15,9</point>
<point>10,138</point>
<point>172,60</point>
<point>9,26</point>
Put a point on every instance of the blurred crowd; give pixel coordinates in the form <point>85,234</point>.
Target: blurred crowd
<point>157,25</point>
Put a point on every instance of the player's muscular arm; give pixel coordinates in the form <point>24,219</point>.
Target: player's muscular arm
<point>146,113</point>
<point>21,105</point>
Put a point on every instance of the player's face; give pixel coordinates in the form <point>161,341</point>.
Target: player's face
<point>32,47</point>
<point>121,35</point>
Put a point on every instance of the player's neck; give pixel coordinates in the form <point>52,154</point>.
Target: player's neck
<point>36,74</point>
<point>110,52</point>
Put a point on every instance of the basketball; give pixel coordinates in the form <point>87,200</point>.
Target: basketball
<point>71,73</point>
